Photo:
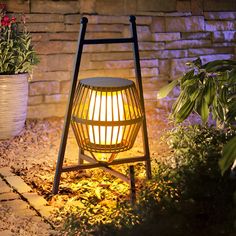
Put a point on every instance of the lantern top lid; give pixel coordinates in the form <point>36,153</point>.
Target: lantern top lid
<point>107,83</point>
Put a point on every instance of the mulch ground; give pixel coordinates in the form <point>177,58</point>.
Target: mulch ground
<point>33,155</point>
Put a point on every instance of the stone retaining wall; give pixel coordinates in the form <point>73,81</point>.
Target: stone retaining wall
<point>171,33</point>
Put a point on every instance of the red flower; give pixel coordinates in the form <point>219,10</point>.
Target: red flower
<point>5,21</point>
<point>6,18</point>
<point>13,19</point>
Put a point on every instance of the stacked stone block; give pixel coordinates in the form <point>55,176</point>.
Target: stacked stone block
<point>170,34</point>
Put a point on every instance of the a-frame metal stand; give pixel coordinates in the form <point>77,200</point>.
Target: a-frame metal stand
<point>83,157</point>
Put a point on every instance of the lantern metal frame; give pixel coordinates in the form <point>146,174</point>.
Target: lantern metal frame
<point>106,115</point>
<point>91,162</point>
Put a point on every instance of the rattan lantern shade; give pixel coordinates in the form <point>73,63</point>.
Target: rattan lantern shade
<point>106,114</point>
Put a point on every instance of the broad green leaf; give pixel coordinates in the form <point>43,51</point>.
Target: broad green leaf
<point>194,95</point>
<point>219,111</point>
<point>167,89</point>
<point>198,101</point>
<point>223,77</point>
<point>223,95</point>
<point>189,82</point>
<point>217,65</point>
<point>187,76</point>
<point>184,111</point>
<point>204,111</point>
<point>231,113</point>
<point>179,102</point>
<point>209,91</point>
<point>228,155</point>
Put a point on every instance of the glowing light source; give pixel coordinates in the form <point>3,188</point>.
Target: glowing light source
<point>106,106</point>
<point>107,114</point>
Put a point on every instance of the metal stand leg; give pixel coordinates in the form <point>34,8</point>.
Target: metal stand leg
<point>64,137</point>
<point>80,160</point>
<point>132,185</point>
<point>140,90</point>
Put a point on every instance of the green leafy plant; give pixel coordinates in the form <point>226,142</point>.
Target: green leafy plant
<point>186,196</point>
<point>199,144</point>
<point>207,196</point>
<point>229,155</point>
<point>16,51</point>
<point>206,89</point>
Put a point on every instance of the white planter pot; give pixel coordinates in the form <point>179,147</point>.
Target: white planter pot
<point>13,104</point>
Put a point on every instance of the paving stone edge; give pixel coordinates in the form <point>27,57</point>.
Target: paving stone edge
<point>26,193</point>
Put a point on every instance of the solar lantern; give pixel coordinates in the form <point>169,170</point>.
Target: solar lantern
<point>106,115</point>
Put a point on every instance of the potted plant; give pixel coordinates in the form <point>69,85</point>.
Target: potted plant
<point>17,58</point>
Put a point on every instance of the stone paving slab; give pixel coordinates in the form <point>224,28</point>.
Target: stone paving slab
<point>6,233</point>
<point>35,200</point>
<point>17,196</point>
<point>46,211</point>
<point>8,197</point>
<point>18,184</point>
<point>4,188</point>
<point>20,208</point>
<point>6,171</point>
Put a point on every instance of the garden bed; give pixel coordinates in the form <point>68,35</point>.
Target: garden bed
<point>186,194</point>
<point>33,154</point>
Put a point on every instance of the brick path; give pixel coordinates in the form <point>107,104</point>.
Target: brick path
<point>21,204</point>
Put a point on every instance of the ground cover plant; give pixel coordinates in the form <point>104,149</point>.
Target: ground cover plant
<point>186,196</point>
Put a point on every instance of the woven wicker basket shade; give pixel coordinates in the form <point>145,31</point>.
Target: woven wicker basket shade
<point>13,104</point>
<point>106,114</point>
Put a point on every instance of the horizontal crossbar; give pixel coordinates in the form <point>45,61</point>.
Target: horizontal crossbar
<point>107,123</point>
<point>105,41</point>
<point>103,165</point>
<point>94,164</point>
<point>116,161</point>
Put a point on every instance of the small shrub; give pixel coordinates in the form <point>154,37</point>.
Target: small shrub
<point>207,196</point>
